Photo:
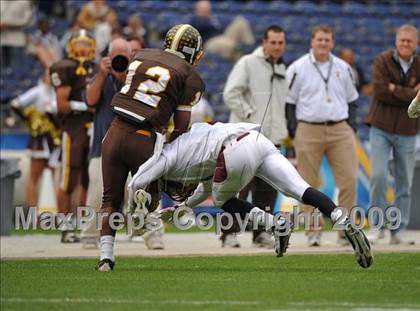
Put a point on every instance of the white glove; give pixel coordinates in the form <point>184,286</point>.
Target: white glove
<point>139,201</point>
<point>414,109</point>
<point>166,214</point>
<point>78,105</point>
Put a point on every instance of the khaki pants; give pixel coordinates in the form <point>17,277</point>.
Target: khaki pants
<point>94,196</point>
<point>337,143</point>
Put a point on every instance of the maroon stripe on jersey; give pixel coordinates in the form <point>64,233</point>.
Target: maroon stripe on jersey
<point>242,136</point>
<point>220,173</point>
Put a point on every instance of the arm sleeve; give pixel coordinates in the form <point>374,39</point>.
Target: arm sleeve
<point>144,177</point>
<point>194,88</point>
<point>60,76</point>
<point>352,115</point>
<point>350,86</point>
<point>381,78</point>
<point>27,98</point>
<point>291,119</point>
<point>404,93</point>
<point>235,88</point>
<point>292,81</point>
<point>201,193</point>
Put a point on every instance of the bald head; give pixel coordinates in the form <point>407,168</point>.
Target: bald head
<point>119,47</point>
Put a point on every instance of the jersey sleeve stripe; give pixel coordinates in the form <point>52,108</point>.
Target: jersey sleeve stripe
<point>184,108</point>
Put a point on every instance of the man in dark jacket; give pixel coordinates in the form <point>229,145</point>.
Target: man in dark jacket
<point>396,80</point>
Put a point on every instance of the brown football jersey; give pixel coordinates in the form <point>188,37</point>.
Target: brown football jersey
<point>63,73</point>
<point>158,83</point>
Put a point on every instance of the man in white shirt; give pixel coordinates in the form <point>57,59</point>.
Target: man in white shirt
<point>321,99</point>
<point>224,158</point>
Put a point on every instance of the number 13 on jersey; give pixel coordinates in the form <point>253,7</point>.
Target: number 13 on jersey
<point>147,91</point>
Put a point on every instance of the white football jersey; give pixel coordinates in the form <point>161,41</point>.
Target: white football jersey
<point>192,156</point>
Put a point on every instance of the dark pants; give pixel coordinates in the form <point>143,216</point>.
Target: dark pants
<point>263,196</point>
<point>11,56</point>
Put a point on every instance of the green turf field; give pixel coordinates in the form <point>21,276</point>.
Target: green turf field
<point>294,282</point>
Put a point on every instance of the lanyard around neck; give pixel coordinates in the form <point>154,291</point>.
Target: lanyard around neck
<point>327,78</point>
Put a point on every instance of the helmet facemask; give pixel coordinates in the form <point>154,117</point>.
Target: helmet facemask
<point>81,47</point>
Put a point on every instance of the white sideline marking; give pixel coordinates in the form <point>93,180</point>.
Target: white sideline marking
<point>357,306</point>
<point>126,301</point>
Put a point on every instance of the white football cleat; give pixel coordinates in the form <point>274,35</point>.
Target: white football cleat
<point>153,239</point>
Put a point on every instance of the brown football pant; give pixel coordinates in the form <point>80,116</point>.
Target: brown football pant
<point>124,148</point>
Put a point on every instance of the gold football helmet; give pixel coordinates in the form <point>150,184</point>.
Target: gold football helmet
<point>186,41</point>
<point>81,47</point>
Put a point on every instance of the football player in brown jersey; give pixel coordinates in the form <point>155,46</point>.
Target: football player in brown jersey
<point>69,77</point>
<point>160,84</point>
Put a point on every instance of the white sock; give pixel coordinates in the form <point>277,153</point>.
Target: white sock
<point>262,217</point>
<point>336,215</point>
<point>107,247</point>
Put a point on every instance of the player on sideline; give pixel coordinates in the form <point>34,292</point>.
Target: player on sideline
<point>160,84</point>
<point>223,158</point>
<point>414,108</point>
<point>69,77</point>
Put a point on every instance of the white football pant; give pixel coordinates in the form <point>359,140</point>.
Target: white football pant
<point>255,155</point>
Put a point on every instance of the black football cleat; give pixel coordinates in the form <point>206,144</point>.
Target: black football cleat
<point>281,237</point>
<point>360,244</point>
<point>105,265</point>
<point>69,237</point>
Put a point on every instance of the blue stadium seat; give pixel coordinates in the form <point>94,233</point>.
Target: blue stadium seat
<point>355,9</point>
<point>307,8</point>
<point>282,8</point>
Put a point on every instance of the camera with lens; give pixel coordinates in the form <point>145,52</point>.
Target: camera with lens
<point>119,63</point>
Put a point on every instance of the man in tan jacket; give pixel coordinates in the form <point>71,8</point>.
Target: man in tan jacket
<point>396,80</point>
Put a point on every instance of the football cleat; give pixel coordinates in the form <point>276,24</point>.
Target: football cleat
<point>69,237</point>
<point>230,240</point>
<point>153,239</point>
<point>282,235</point>
<point>314,238</point>
<point>105,265</point>
<point>360,244</point>
<point>264,239</point>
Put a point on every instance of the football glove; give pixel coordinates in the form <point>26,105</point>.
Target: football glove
<point>414,109</point>
<point>139,201</point>
<point>167,213</point>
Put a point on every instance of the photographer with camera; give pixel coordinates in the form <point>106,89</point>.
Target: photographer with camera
<point>99,94</point>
